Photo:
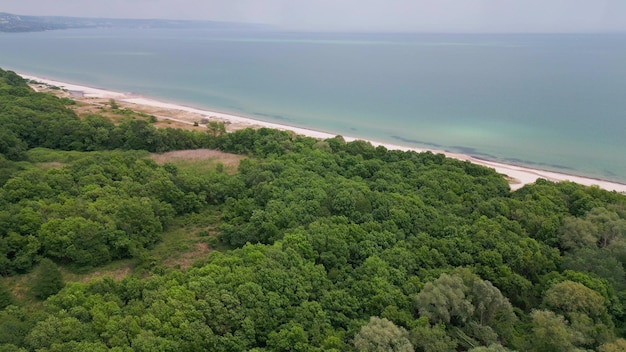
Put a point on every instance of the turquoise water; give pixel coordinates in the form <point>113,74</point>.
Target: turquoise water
<point>550,101</point>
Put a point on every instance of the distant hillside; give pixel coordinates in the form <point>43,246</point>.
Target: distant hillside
<point>18,23</point>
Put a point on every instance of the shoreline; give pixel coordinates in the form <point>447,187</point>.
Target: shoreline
<point>518,175</point>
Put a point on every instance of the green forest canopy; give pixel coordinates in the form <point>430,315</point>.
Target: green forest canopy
<point>325,245</point>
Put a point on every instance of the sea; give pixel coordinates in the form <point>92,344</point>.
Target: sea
<point>547,101</point>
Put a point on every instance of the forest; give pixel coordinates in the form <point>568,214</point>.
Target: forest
<point>315,245</point>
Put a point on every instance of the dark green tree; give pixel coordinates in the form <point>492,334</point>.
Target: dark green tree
<point>48,280</point>
<point>6,297</point>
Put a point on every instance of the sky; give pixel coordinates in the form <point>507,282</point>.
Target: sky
<point>357,15</point>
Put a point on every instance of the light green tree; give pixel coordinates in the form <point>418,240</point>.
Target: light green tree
<point>550,332</point>
<point>382,335</point>
<point>490,348</point>
<point>585,310</point>
<point>444,300</point>
<point>618,345</point>
<point>479,311</point>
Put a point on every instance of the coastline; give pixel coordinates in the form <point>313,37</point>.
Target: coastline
<point>518,175</point>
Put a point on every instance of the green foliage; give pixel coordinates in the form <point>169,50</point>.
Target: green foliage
<point>6,297</point>
<point>550,332</point>
<point>490,348</point>
<point>48,280</point>
<point>444,301</point>
<point>75,239</point>
<point>585,310</point>
<point>568,296</point>
<point>216,128</point>
<point>382,335</point>
<point>599,262</point>
<point>434,338</point>
<point>15,324</point>
<point>327,245</point>
<point>614,346</point>
<point>473,305</point>
<point>92,209</point>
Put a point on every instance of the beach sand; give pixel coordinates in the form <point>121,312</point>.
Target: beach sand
<point>518,176</point>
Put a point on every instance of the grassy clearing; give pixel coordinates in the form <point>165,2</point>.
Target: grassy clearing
<point>199,161</point>
<point>189,239</point>
<point>43,155</point>
<point>117,270</point>
<point>20,286</point>
<point>50,165</point>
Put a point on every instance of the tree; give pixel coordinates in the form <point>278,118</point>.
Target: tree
<point>569,296</point>
<point>382,335</point>
<point>6,297</point>
<point>48,280</point>
<point>55,329</point>
<point>490,306</point>
<point>577,233</point>
<point>597,261</point>
<point>599,228</point>
<point>490,348</point>
<point>216,128</point>
<point>292,337</point>
<point>618,345</point>
<point>11,146</point>
<point>585,310</point>
<point>75,238</point>
<point>610,226</point>
<point>444,300</point>
<point>15,323</point>
<point>428,338</point>
<point>461,297</point>
<point>463,300</point>
<point>550,332</point>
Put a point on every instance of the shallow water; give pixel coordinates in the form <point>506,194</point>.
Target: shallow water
<point>549,101</point>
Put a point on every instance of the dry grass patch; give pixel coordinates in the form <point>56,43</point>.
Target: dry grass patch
<point>99,106</point>
<point>117,274</point>
<point>190,238</point>
<point>20,290</point>
<point>186,259</point>
<point>194,154</point>
<point>121,111</point>
<point>50,165</point>
<point>199,159</point>
<point>165,123</point>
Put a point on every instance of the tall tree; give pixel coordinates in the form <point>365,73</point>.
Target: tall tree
<point>382,335</point>
<point>6,297</point>
<point>48,280</point>
<point>550,332</point>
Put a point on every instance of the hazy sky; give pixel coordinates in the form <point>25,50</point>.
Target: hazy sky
<point>394,15</point>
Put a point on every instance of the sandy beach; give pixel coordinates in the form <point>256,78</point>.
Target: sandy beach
<point>518,175</point>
